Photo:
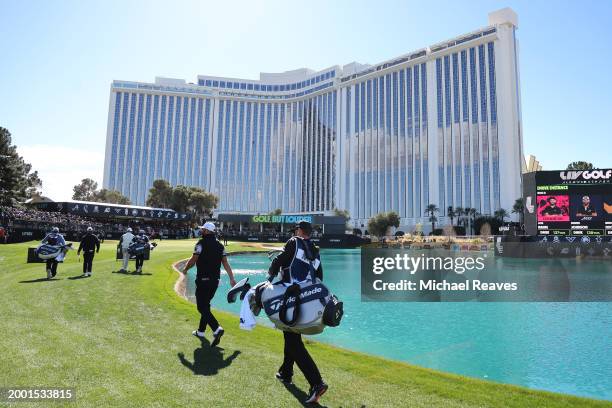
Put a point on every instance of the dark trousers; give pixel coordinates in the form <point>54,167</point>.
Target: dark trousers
<point>52,264</point>
<point>139,261</point>
<point>205,291</point>
<point>87,261</point>
<point>296,352</point>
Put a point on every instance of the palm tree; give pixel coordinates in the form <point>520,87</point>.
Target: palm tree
<point>450,212</point>
<point>580,165</point>
<point>518,208</point>
<point>459,214</point>
<point>431,210</point>
<point>500,214</point>
<point>472,213</point>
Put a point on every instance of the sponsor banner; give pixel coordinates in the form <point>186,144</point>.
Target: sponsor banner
<point>597,176</point>
<point>330,222</point>
<point>280,219</point>
<point>100,210</point>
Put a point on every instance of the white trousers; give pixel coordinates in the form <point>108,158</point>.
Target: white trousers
<point>126,259</point>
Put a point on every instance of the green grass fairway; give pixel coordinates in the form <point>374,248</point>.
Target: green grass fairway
<point>125,341</point>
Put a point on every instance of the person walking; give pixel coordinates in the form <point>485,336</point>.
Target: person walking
<point>54,238</point>
<point>223,238</point>
<point>89,243</point>
<point>294,263</point>
<point>2,235</point>
<point>124,243</point>
<point>140,240</point>
<point>208,256</point>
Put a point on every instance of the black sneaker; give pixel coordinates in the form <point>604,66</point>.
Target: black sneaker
<point>217,337</point>
<point>283,379</point>
<point>316,392</point>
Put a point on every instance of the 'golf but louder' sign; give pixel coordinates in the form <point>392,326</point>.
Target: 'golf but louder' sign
<point>281,219</point>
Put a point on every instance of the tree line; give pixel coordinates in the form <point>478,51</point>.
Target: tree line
<point>184,199</point>
<point>18,182</point>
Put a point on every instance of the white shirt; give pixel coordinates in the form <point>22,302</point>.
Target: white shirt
<point>126,240</point>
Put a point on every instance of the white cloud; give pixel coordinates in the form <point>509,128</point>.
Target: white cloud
<point>61,168</point>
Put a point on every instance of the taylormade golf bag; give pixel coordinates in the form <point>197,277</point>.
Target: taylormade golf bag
<point>47,251</point>
<point>301,307</point>
<point>140,247</point>
<point>305,307</point>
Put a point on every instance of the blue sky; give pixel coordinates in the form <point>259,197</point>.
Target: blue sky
<point>59,58</point>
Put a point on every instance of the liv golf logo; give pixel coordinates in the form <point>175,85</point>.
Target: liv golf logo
<point>595,175</point>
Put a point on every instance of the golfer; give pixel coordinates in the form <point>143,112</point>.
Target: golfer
<point>208,256</point>
<point>124,243</point>
<point>89,243</point>
<point>142,240</point>
<point>293,266</point>
<point>54,238</point>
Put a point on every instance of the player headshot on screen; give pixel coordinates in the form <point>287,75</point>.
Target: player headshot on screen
<point>586,209</point>
<point>607,206</point>
<point>552,208</point>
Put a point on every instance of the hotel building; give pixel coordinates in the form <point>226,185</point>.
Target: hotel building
<point>439,125</point>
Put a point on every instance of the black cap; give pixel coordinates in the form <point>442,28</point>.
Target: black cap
<point>304,226</point>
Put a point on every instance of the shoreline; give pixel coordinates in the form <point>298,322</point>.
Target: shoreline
<point>180,286</point>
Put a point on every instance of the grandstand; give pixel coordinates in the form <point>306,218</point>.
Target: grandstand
<point>108,220</point>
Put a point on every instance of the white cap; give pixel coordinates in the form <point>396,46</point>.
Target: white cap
<point>208,226</point>
<point>129,230</point>
<point>89,229</point>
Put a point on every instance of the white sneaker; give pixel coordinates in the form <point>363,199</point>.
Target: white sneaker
<point>198,334</point>
<point>88,274</point>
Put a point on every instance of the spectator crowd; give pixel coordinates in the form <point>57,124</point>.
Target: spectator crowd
<point>13,218</point>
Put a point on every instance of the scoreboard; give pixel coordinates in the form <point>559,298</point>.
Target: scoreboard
<point>573,202</point>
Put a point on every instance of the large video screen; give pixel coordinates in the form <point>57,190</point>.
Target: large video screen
<point>574,202</point>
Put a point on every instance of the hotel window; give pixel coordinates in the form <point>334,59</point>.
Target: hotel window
<point>417,140</point>
<point>115,134</point>
<point>484,131</point>
<point>424,133</point>
<point>148,144</point>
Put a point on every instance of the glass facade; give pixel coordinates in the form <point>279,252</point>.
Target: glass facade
<point>389,141</point>
<point>467,134</point>
<point>263,147</point>
<point>159,136</point>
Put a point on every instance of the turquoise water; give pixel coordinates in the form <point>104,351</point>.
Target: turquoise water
<point>561,347</point>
